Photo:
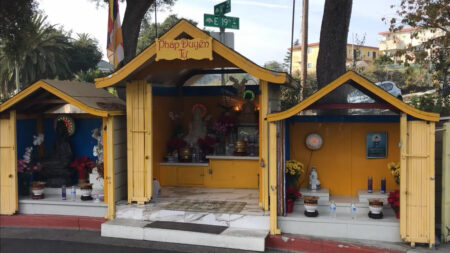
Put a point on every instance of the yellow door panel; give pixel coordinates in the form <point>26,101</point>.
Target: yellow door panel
<point>190,175</point>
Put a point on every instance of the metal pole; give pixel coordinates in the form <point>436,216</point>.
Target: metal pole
<point>292,37</point>
<point>304,47</point>
<point>156,20</point>
<point>222,39</point>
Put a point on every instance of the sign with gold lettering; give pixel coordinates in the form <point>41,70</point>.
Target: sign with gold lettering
<point>184,49</point>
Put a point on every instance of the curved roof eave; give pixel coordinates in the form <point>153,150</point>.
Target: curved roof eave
<point>49,88</point>
<point>183,26</point>
<point>350,75</point>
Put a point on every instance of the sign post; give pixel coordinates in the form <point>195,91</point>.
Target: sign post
<point>220,20</point>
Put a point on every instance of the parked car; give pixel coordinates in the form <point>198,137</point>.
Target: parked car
<point>357,96</point>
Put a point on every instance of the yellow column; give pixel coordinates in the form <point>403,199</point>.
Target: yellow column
<point>263,145</point>
<point>403,174</point>
<point>109,169</point>
<point>274,230</point>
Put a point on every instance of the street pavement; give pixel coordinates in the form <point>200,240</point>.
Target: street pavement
<point>45,240</point>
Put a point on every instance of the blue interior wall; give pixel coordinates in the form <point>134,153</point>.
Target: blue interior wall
<point>26,128</point>
<point>82,142</point>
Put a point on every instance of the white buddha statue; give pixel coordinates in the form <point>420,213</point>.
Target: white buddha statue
<point>197,128</point>
<point>314,183</point>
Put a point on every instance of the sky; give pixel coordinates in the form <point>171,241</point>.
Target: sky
<point>265,25</point>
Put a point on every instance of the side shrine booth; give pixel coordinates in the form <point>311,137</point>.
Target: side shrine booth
<point>197,142</point>
<point>350,147</point>
<point>57,132</point>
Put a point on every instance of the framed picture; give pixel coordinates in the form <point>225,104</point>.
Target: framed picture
<point>376,145</point>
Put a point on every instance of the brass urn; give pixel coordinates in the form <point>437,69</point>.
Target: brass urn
<point>185,154</point>
<point>240,147</point>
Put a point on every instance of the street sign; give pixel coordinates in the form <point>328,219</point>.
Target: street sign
<point>221,21</point>
<point>222,8</point>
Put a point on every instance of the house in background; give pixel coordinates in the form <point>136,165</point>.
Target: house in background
<point>391,42</point>
<point>361,53</point>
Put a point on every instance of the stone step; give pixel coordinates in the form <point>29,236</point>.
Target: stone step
<point>233,238</point>
<point>364,196</point>
<point>343,226</point>
<point>58,191</point>
<point>53,204</point>
<point>323,194</point>
<point>244,221</point>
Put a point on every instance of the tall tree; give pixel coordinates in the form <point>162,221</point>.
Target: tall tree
<point>44,55</point>
<point>84,53</point>
<point>432,16</point>
<point>333,46</point>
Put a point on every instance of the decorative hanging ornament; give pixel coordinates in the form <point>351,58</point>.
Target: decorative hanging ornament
<point>249,92</point>
<point>314,141</point>
<point>68,121</point>
<point>202,107</point>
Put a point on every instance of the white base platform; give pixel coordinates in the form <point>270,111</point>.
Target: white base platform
<point>53,204</point>
<point>343,226</point>
<point>233,238</point>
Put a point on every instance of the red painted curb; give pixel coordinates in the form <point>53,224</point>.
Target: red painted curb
<point>305,244</point>
<point>52,221</point>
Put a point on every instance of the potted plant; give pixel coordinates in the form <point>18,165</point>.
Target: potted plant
<point>291,196</point>
<point>294,170</point>
<point>175,146</point>
<point>206,145</point>
<point>83,165</point>
<point>375,206</point>
<point>394,201</point>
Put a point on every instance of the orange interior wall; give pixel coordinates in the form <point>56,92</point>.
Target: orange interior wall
<point>341,163</point>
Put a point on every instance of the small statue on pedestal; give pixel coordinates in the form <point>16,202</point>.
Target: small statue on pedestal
<point>314,183</point>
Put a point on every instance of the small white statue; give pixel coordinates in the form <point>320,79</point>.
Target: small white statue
<point>98,149</point>
<point>197,128</point>
<point>314,183</point>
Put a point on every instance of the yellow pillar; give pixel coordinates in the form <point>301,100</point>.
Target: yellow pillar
<point>263,148</point>
<point>274,230</point>
<point>109,167</point>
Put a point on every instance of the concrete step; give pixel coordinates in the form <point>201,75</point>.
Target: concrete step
<point>364,196</point>
<point>323,194</point>
<point>343,226</point>
<point>53,204</point>
<point>233,238</point>
<point>157,213</point>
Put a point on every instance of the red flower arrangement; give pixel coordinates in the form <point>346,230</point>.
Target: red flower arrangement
<point>176,143</point>
<point>206,145</point>
<point>394,200</point>
<point>82,165</point>
<point>224,124</point>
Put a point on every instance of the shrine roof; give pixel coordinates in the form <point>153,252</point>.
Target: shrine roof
<point>145,67</point>
<point>384,99</point>
<point>44,94</point>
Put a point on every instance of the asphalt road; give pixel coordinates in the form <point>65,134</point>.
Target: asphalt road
<point>37,240</point>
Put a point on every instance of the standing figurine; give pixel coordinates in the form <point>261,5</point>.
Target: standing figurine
<point>314,183</point>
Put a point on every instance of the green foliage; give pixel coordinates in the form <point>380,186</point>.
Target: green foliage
<point>84,54</point>
<point>90,74</point>
<point>432,103</point>
<point>433,53</point>
<point>274,66</point>
<point>287,57</point>
<point>147,34</point>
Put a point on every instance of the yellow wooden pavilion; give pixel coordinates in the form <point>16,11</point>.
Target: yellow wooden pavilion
<point>342,162</point>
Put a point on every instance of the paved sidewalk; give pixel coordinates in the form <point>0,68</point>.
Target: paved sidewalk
<point>297,243</point>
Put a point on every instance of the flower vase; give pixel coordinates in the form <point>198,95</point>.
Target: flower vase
<point>397,211</point>
<point>24,184</point>
<point>289,206</point>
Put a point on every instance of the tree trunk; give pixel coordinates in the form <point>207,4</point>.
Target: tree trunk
<point>333,46</point>
<point>132,19</point>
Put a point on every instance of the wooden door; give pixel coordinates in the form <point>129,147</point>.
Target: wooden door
<point>9,203</point>
<point>139,141</point>
<point>417,181</point>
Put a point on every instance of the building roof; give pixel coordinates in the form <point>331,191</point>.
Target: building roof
<point>145,67</point>
<point>399,31</point>
<point>356,80</point>
<point>45,94</point>
<point>298,47</point>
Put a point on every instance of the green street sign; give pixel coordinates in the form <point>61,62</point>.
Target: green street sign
<point>222,8</point>
<point>221,21</point>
